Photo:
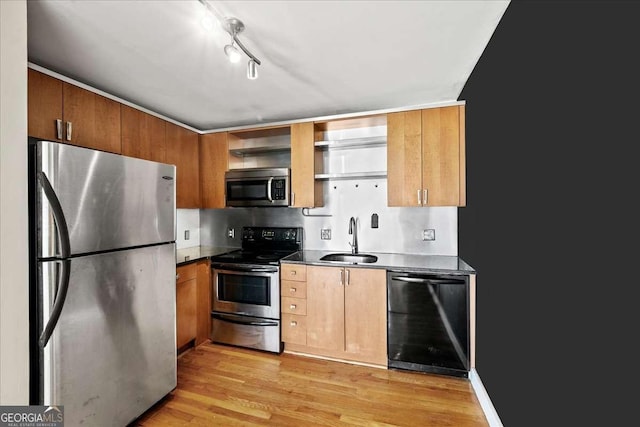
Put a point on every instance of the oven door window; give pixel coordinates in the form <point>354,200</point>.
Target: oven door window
<point>247,190</point>
<point>244,289</point>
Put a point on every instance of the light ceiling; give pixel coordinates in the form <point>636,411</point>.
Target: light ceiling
<point>319,58</point>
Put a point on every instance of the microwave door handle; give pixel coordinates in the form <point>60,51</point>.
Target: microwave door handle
<point>269,189</point>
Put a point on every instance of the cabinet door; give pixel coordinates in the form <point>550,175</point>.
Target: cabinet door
<point>186,299</point>
<point>203,327</point>
<point>441,156</point>
<point>143,135</point>
<point>214,162</point>
<point>182,151</point>
<point>325,308</point>
<point>404,158</point>
<point>305,190</point>
<point>365,313</point>
<point>95,120</point>
<point>44,105</point>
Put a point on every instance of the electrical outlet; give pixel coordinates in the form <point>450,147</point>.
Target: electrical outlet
<point>429,234</point>
<point>231,232</point>
<point>325,233</point>
<point>186,234</point>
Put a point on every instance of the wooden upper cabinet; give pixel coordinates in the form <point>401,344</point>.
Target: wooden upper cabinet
<point>182,151</point>
<point>404,158</point>
<point>426,157</point>
<point>214,162</point>
<point>306,192</point>
<point>59,111</point>
<point>143,135</point>
<point>44,106</point>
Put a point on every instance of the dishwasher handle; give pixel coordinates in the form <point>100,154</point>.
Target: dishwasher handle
<point>428,281</point>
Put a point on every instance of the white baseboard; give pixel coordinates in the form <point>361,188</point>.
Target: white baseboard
<point>485,402</point>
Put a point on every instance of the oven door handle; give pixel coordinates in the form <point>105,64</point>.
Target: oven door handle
<point>234,319</point>
<point>246,269</point>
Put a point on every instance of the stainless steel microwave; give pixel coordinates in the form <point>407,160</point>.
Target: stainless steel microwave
<point>257,187</point>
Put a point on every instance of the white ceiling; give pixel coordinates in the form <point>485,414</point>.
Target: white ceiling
<point>319,58</point>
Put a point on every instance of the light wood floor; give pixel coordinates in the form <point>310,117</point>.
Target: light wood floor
<point>228,386</point>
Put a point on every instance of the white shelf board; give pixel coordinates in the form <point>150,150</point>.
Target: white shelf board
<point>369,141</point>
<point>351,175</point>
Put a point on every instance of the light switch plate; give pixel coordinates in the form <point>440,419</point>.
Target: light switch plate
<point>325,233</point>
<point>429,234</point>
<point>186,234</point>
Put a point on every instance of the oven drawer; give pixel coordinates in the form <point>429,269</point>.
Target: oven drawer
<point>295,272</point>
<point>293,289</point>
<point>294,305</point>
<point>294,329</point>
<point>245,331</point>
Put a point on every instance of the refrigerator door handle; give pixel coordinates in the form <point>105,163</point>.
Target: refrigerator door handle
<point>58,303</point>
<point>65,250</point>
<point>58,215</point>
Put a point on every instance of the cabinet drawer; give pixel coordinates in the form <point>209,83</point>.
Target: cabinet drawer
<point>295,272</point>
<point>186,272</point>
<point>294,329</point>
<point>294,305</point>
<point>293,289</point>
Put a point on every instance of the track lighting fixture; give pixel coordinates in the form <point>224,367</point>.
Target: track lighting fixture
<point>234,26</point>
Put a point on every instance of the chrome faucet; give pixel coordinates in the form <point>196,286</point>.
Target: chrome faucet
<point>353,229</point>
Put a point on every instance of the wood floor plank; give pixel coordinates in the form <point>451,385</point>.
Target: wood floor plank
<point>229,386</point>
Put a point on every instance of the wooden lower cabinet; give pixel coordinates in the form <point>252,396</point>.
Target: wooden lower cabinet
<point>345,314</point>
<point>186,304</point>
<point>193,304</point>
<point>203,324</point>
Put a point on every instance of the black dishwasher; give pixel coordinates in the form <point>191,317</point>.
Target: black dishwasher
<point>428,322</point>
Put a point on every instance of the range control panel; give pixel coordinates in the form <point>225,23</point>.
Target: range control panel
<point>271,234</point>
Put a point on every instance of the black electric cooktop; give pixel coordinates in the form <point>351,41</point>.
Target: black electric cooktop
<point>263,245</point>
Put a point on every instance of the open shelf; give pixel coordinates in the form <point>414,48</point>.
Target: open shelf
<point>265,149</point>
<point>369,141</point>
<point>351,175</point>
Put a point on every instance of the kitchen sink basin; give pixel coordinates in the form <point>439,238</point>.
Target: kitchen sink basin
<point>350,258</point>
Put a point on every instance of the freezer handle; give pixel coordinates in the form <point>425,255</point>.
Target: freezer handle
<point>58,215</point>
<point>61,296</point>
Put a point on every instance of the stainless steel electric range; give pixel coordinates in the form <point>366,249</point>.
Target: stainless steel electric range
<point>245,288</point>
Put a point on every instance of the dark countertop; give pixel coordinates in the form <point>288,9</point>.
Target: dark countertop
<point>397,262</point>
<point>195,253</point>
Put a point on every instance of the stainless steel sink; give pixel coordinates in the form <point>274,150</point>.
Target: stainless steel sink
<point>350,258</point>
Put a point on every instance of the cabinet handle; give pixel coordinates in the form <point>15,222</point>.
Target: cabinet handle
<point>426,194</point>
<point>177,276</point>
<point>293,198</point>
<point>341,277</point>
<point>419,198</point>
<point>348,277</point>
<point>293,272</point>
<point>292,290</point>
<point>293,306</point>
<point>69,130</point>
<point>293,323</point>
<point>59,128</point>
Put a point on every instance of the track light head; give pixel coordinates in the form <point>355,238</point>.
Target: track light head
<point>252,70</point>
<point>232,53</point>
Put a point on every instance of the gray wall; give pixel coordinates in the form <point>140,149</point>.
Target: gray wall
<point>400,229</point>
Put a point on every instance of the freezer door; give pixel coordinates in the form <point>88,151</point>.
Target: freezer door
<point>109,201</point>
<point>112,354</point>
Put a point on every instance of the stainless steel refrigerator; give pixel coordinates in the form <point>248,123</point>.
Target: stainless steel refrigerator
<point>102,283</point>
